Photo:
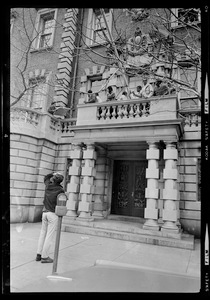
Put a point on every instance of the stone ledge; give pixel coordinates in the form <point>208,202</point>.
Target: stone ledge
<point>129,231</point>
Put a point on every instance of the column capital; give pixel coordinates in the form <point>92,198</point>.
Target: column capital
<point>152,144</point>
<point>170,144</point>
<point>77,146</point>
<point>90,146</point>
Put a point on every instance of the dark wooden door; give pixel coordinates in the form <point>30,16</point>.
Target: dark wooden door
<point>128,192</point>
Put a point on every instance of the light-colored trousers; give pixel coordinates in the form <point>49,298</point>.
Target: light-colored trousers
<point>47,234</point>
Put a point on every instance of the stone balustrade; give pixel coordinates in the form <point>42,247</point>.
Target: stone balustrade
<point>26,115</point>
<point>38,124</point>
<point>25,120</point>
<point>192,117</point>
<point>115,112</point>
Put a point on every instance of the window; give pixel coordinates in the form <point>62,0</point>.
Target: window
<point>96,27</point>
<point>184,16</point>
<point>192,77</point>
<point>37,94</point>
<point>44,28</point>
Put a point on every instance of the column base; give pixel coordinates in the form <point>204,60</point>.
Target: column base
<point>85,216</point>
<point>98,214</point>
<point>72,214</point>
<point>170,227</point>
<point>151,225</point>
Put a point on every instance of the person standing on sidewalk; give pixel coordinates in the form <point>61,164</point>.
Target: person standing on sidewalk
<point>49,218</point>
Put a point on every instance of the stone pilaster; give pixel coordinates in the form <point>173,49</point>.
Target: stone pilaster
<point>73,187</point>
<point>152,191</point>
<point>171,195</point>
<point>66,57</point>
<point>98,197</point>
<point>87,186</point>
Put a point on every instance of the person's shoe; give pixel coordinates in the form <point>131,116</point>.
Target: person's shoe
<point>38,257</point>
<point>46,260</point>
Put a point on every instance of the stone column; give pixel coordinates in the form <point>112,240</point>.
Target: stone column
<point>73,187</point>
<point>87,186</point>
<point>98,197</point>
<point>152,191</point>
<point>171,194</point>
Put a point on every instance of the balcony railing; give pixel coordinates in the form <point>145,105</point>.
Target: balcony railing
<point>115,112</point>
<point>191,116</point>
<point>35,123</point>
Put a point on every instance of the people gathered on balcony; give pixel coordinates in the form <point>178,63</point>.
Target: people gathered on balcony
<point>150,88</point>
<point>161,88</point>
<point>147,90</point>
<point>52,108</point>
<point>110,94</point>
<point>137,93</point>
<point>124,96</point>
<point>91,97</point>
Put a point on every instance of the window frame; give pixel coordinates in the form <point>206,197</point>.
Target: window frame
<point>198,81</point>
<point>91,20</point>
<point>37,89</point>
<point>37,34</point>
<point>175,18</point>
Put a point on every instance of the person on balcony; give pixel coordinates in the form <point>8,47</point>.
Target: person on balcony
<point>147,90</point>
<point>52,108</point>
<point>136,94</point>
<point>161,88</point>
<point>110,94</point>
<point>98,98</point>
<point>91,97</point>
<point>124,96</point>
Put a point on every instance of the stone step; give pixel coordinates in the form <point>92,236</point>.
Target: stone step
<point>128,231</point>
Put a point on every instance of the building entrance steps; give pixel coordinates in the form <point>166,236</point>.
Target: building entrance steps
<point>129,229</point>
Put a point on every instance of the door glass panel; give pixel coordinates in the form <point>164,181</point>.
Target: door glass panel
<point>122,196</point>
<point>139,186</point>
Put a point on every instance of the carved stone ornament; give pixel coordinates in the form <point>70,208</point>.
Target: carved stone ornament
<point>137,49</point>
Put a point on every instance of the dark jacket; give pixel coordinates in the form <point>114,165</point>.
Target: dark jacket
<point>50,197</point>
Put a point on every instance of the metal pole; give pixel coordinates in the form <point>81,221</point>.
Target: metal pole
<point>57,242</point>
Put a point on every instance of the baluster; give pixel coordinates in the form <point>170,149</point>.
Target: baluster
<point>103,113</point>
<point>138,112</point>
<point>114,111</point>
<point>125,110</point>
<point>143,109</point>
<point>120,111</point>
<point>187,120</point>
<point>193,120</point>
<point>108,114</point>
<point>131,112</point>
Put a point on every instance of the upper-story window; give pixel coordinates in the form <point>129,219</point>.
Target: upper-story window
<point>44,28</point>
<point>185,16</point>
<point>37,94</point>
<point>96,26</point>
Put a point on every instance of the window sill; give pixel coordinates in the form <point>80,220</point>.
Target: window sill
<point>97,45</point>
<point>185,25</point>
<point>41,49</point>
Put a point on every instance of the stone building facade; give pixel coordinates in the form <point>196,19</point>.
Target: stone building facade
<point>119,158</point>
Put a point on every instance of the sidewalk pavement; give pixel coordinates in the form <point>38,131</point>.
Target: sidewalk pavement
<point>79,252</point>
